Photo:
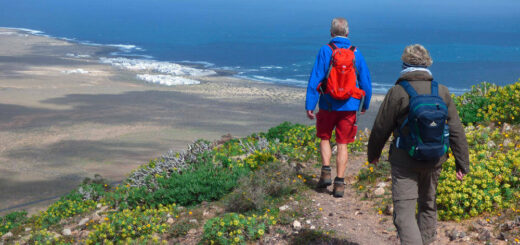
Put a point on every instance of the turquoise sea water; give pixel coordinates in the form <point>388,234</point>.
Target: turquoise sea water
<point>277,41</point>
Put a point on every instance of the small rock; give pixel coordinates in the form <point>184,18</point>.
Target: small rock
<point>170,221</point>
<point>168,215</point>
<point>379,191</point>
<point>484,235</point>
<point>7,235</point>
<point>331,214</point>
<point>284,207</point>
<point>96,217</point>
<point>334,150</point>
<point>297,225</point>
<point>83,221</point>
<point>381,184</point>
<point>506,128</point>
<point>491,144</point>
<point>194,221</point>
<point>454,234</point>
<point>312,227</point>
<point>192,231</point>
<point>66,232</point>
<point>28,229</point>
<point>84,234</point>
<point>205,213</point>
<point>389,209</point>
<point>308,221</point>
<point>358,213</point>
<point>98,205</point>
<point>501,236</point>
<point>506,226</point>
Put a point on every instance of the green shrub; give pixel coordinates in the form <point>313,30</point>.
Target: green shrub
<point>272,180</point>
<point>493,183</point>
<point>235,228</point>
<point>12,221</point>
<point>488,102</point>
<point>206,183</point>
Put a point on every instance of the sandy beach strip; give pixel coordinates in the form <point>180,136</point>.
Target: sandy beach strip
<point>65,116</point>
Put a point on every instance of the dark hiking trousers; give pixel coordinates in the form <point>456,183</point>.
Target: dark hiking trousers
<point>411,186</point>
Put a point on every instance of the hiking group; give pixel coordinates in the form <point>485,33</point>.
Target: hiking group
<point>418,111</point>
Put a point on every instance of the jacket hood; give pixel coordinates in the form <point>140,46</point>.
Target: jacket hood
<point>341,40</point>
<point>416,76</point>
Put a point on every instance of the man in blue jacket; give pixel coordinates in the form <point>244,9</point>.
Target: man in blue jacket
<point>338,114</point>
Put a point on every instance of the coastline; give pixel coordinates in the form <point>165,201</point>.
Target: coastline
<point>66,117</point>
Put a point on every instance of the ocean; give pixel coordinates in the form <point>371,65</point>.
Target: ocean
<point>277,41</point>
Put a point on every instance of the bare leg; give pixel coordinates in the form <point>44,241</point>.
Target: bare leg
<point>341,160</point>
<point>326,152</point>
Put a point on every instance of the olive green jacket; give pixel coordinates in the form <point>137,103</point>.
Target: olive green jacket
<point>394,110</point>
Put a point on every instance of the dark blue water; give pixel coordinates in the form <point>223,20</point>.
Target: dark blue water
<point>470,41</point>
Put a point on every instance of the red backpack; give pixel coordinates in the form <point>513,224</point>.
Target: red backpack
<point>341,79</point>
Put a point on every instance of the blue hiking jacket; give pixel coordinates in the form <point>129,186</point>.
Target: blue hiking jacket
<point>319,72</point>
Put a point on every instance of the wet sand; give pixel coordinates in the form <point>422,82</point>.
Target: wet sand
<point>58,128</point>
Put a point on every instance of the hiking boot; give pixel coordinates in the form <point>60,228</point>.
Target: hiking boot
<point>339,188</point>
<point>325,178</point>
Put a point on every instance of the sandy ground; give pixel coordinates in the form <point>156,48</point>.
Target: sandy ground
<point>57,128</point>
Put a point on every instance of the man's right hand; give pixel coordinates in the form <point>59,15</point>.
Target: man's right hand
<point>310,114</point>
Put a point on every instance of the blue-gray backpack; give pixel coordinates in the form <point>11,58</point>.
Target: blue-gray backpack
<point>428,133</point>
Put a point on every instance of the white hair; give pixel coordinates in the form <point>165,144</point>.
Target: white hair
<point>339,27</point>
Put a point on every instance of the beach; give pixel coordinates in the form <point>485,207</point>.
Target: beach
<point>65,116</point>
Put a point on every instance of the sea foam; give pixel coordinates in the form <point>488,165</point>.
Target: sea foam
<point>167,80</point>
<point>75,71</point>
<point>170,73</point>
<point>167,68</point>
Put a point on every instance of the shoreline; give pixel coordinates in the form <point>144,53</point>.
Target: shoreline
<point>64,118</point>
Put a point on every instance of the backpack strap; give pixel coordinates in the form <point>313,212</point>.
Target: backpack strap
<point>435,88</point>
<point>333,46</point>
<point>409,89</point>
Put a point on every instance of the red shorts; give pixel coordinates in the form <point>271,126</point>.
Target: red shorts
<point>344,121</point>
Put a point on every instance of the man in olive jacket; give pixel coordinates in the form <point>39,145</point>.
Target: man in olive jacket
<point>413,180</point>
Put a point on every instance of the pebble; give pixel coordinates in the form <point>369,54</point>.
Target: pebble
<point>83,221</point>
<point>170,221</point>
<point>484,235</point>
<point>308,221</point>
<point>283,208</point>
<point>381,184</point>
<point>66,232</point>
<point>84,234</point>
<point>379,191</point>
<point>297,225</point>
<point>194,221</point>
<point>313,227</point>
<point>28,229</point>
<point>7,235</point>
